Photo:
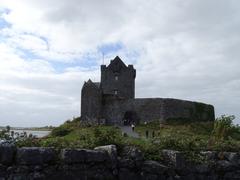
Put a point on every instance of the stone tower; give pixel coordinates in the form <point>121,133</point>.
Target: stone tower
<point>91,101</point>
<point>118,79</point>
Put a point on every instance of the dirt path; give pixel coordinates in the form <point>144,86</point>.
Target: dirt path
<point>128,131</point>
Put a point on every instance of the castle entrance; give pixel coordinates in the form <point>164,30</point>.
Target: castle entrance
<point>130,117</point>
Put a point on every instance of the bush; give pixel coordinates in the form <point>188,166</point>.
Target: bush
<point>184,143</point>
<point>104,136</point>
<point>230,145</point>
<point>61,131</point>
<point>28,142</point>
<point>4,134</point>
<point>57,142</point>
<point>223,127</point>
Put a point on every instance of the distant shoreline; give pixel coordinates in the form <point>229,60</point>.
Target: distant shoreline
<point>28,129</point>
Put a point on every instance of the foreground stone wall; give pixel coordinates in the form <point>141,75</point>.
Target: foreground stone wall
<point>105,163</point>
<point>150,109</point>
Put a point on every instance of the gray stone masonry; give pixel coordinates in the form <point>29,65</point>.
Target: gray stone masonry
<point>31,163</point>
<point>113,101</point>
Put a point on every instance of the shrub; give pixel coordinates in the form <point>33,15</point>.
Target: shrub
<point>223,127</point>
<point>28,142</point>
<point>4,134</point>
<point>57,142</point>
<point>61,131</point>
<point>104,136</point>
<point>182,143</point>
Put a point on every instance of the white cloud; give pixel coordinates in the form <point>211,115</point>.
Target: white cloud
<point>181,49</point>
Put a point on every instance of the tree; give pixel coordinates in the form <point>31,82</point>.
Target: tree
<point>8,128</point>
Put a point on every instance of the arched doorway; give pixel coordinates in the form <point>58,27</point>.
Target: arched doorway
<point>130,117</point>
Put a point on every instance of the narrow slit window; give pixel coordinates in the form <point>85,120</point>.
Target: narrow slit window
<point>115,92</point>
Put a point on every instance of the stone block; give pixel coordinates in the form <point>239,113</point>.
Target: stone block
<point>225,166</point>
<point>174,158</point>
<point>127,174</point>
<point>35,155</point>
<point>232,157</point>
<point>75,156</point>
<point>130,152</point>
<point>153,167</point>
<point>202,168</point>
<point>209,155</point>
<point>110,149</point>
<point>96,156</point>
<point>232,175</point>
<point>126,163</point>
<point>7,152</point>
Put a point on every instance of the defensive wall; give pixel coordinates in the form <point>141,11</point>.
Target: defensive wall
<point>105,162</point>
<point>151,109</point>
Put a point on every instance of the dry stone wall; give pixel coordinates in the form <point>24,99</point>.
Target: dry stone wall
<point>105,163</point>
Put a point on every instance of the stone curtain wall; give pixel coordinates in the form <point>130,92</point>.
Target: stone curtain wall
<point>150,109</point>
<point>186,110</point>
<point>104,163</point>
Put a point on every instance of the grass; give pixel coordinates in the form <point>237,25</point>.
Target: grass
<point>190,137</point>
<point>176,129</point>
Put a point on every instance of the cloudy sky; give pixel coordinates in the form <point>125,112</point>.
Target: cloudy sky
<point>187,49</point>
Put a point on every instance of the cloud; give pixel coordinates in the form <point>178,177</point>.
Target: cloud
<point>181,49</point>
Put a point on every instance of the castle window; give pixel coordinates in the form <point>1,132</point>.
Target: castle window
<point>115,92</point>
<point>116,78</point>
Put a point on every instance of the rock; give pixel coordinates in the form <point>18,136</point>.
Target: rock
<point>96,156</point>
<point>22,169</point>
<point>232,175</point>
<point>125,174</point>
<point>153,167</point>
<point>232,157</point>
<point>133,153</point>
<point>188,177</point>
<point>126,163</point>
<point>3,172</point>
<point>71,156</point>
<point>7,152</point>
<point>209,155</point>
<point>4,142</point>
<point>110,149</point>
<point>202,168</point>
<point>224,166</point>
<point>35,155</point>
<point>37,176</point>
<point>152,177</point>
<point>74,156</point>
<point>38,168</point>
<point>174,158</point>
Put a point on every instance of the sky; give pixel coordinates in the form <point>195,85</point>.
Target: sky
<point>185,49</point>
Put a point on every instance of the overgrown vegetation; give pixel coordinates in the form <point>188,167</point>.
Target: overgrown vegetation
<point>224,128</point>
<point>190,137</point>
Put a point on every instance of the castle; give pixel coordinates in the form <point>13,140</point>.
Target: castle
<point>112,101</point>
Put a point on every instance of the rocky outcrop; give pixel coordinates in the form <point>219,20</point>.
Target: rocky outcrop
<point>105,162</point>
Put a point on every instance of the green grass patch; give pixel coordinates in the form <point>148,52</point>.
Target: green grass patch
<point>189,137</point>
